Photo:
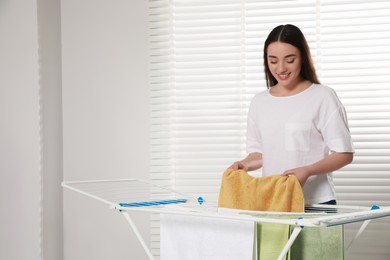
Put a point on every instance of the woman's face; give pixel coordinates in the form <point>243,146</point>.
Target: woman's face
<point>285,62</point>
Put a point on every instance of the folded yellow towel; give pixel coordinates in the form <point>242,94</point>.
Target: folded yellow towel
<point>274,193</point>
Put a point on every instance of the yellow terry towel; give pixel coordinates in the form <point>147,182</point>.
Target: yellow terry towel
<point>274,193</point>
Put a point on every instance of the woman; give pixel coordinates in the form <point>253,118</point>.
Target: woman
<point>298,126</point>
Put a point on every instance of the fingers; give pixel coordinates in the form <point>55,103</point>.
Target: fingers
<point>289,172</point>
<point>301,177</point>
<point>235,166</point>
<point>238,166</point>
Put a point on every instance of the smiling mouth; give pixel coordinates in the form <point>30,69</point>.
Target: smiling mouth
<point>283,76</point>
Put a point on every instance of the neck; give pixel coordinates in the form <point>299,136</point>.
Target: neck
<point>290,90</point>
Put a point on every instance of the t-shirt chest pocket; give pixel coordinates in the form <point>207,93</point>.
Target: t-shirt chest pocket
<point>297,137</point>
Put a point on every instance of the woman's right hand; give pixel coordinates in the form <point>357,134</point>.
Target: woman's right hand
<point>238,166</point>
<point>252,162</point>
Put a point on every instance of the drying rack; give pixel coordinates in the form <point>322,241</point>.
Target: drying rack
<point>127,195</point>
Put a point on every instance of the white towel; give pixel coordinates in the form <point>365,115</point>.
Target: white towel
<point>204,238</point>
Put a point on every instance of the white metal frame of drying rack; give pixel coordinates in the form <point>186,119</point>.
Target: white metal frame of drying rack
<point>138,198</point>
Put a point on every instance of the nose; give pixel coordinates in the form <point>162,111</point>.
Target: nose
<point>281,67</point>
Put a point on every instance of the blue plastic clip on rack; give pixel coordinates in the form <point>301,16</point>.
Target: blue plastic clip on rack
<point>374,207</point>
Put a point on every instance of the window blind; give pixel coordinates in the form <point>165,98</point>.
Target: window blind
<point>206,64</point>
<point>355,60</point>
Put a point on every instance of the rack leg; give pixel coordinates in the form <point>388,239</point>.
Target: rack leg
<point>362,228</point>
<point>290,241</point>
<point>140,238</point>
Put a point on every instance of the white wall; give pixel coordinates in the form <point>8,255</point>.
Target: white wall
<point>105,120</point>
<point>20,154</point>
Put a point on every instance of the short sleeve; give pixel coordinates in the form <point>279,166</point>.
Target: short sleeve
<point>334,125</point>
<point>253,138</point>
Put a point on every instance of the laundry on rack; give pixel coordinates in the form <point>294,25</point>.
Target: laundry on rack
<point>196,237</point>
<point>271,239</point>
<point>205,238</point>
<point>321,243</point>
<point>239,190</point>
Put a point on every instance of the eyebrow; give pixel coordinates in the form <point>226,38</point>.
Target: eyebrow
<point>288,56</point>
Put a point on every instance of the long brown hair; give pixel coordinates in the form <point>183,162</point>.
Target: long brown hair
<point>292,35</point>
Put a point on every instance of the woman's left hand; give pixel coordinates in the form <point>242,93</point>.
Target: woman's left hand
<point>301,173</point>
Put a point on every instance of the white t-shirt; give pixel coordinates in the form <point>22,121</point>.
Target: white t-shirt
<point>299,130</point>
